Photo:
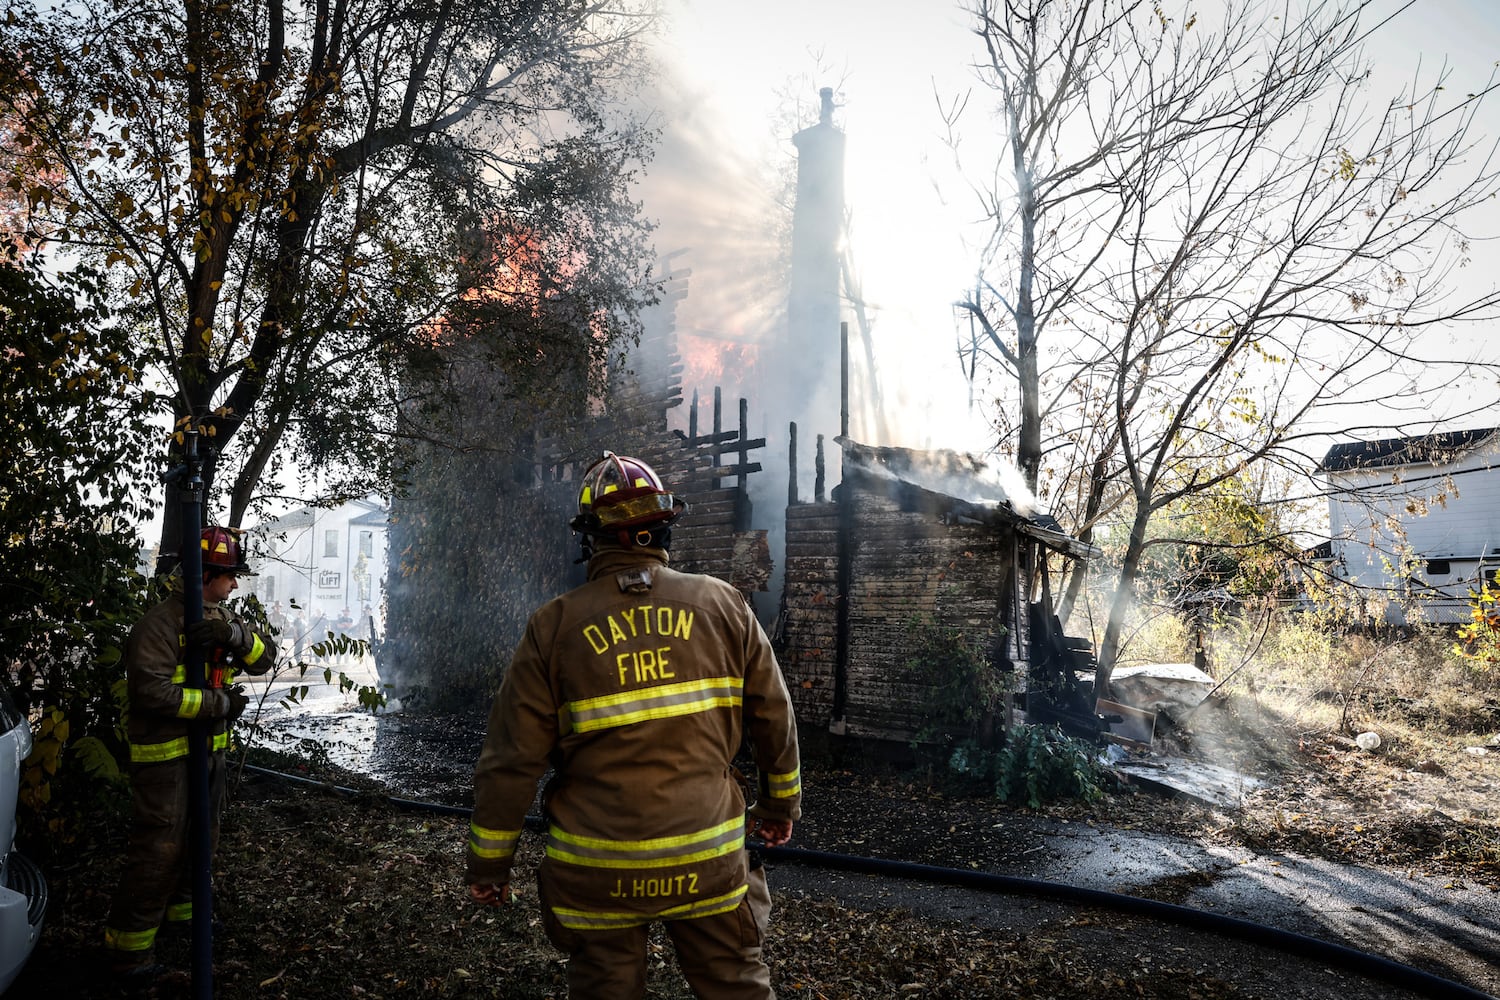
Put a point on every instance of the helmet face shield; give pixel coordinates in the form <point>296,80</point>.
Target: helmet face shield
<point>638,510</point>
<point>620,493</point>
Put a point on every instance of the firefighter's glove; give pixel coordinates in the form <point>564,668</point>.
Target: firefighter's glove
<point>238,699</point>
<point>211,632</point>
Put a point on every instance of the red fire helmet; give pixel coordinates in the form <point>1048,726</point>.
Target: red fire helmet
<point>221,551</point>
<point>621,493</point>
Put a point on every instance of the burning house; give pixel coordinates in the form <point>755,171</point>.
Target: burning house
<point>905,541</point>
<point>486,528</point>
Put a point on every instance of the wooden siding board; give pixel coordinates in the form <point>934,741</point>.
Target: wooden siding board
<point>808,633</point>
<point>912,565</point>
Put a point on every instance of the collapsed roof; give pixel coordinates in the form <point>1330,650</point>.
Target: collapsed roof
<point>963,487</point>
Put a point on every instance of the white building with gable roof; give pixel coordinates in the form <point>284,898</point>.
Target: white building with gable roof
<point>323,563</point>
<point>1415,521</point>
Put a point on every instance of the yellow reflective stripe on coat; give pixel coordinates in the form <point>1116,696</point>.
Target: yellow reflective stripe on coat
<point>179,912</point>
<point>257,649</point>
<point>784,786</point>
<point>192,702</point>
<point>664,702</point>
<point>659,852</point>
<point>156,753</point>
<point>602,920</point>
<point>115,940</point>
<point>487,843</point>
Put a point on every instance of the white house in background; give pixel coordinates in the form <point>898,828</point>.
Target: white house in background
<point>323,561</point>
<point>1416,520</point>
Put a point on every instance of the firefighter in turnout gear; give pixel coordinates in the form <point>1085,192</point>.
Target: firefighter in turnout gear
<point>638,688</point>
<point>156,883</point>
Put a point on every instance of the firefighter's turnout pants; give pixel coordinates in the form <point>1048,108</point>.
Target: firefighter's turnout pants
<point>156,886</point>
<point>719,955</point>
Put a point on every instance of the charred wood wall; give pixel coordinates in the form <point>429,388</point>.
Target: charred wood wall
<point>906,568</point>
<point>807,628</point>
<point>711,474</point>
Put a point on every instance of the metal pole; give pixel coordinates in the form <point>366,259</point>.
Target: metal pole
<point>791,461</point>
<point>844,379</point>
<point>199,730</point>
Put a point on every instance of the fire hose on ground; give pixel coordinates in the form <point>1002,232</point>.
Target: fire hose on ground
<point>1370,966</point>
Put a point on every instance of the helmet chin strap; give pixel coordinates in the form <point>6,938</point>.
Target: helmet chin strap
<point>660,538</point>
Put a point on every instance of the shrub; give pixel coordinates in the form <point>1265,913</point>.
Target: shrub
<point>1041,763</point>
<point>1479,637</point>
<point>1157,635</point>
<point>959,692</point>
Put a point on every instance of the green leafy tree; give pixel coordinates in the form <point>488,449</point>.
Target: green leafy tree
<point>75,434</point>
<point>1238,536</point>
<point>480,531</point>
<point>285,197</point>
<point>484,525</point>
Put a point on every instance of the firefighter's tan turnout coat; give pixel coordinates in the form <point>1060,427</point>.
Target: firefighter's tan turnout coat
<point>155,881</point>
<point>161,703</point>
<point>638,687</point>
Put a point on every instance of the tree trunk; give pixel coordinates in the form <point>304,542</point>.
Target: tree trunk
<point>1029,447</point>
<point>1109,647</point>
<point>1092,504</point>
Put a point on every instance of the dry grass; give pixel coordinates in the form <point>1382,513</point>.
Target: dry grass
<point>1294,699</point>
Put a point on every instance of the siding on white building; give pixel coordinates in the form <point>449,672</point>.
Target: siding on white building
<point>1416,521</point>
<point>322,561</point>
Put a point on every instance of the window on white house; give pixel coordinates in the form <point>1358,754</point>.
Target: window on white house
<point>367,544</point>
<point>331,542</point>
<point>1438,567</point>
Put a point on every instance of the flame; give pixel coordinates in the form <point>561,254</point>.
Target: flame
<point>512,264</point>
<point>710,361</point>
<point>33,179</point>
<point>512,268</point>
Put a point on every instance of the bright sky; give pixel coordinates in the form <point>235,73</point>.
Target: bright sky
<point>890,65</point>
<point>907,212</point>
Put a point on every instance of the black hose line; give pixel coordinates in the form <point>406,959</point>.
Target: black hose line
<point>436,807</point>
<point>1373,967</point>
